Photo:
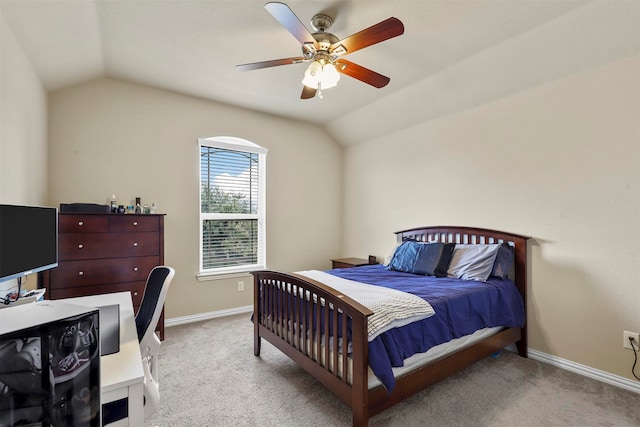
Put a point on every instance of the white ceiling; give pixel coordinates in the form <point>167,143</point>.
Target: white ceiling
<point>454,55</point>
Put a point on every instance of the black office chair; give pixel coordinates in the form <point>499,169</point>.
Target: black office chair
<point>155,292</point>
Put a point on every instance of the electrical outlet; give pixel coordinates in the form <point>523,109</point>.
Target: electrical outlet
<point>626,335</point>
<point>240,285</point>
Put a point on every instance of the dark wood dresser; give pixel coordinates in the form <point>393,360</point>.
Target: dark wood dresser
<point>103,253</point>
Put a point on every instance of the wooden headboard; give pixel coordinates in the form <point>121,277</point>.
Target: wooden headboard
<point>471,235</point>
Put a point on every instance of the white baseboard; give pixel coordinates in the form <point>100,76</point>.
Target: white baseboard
<point>175,321</point>
<point>577,368</point>
<point>587,371</point>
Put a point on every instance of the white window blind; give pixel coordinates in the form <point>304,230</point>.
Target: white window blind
<point>232,206</point>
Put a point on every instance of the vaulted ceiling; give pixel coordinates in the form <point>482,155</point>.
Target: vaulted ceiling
<point>453,55</point>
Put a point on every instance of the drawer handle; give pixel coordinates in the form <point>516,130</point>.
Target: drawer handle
<point>135,268</point>
<point>80,246</point>
<point>135,223</point>
<point>80,273</point>
<point>80,223</point>
<point>135,294</point>
<point>135,243</point>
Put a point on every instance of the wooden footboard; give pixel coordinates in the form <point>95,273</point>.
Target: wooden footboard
<point>306,319</point>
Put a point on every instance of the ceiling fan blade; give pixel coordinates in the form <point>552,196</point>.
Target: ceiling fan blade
<point>377,33</point>
<point>285,16</point>
<point>271,63</point>
<point>361,73</point>
<point>307,92</point>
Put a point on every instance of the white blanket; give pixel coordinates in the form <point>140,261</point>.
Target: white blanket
<point>391,308</point>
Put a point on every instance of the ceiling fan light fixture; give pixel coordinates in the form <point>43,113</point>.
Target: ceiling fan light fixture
<point>322,76</point>
<point>312,75</point>
<point>330,76</point>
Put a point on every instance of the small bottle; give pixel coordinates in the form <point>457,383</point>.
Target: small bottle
<point>145,209</point>
<point>138,208</point>
<point>153,208</point>
<point>114,204</point>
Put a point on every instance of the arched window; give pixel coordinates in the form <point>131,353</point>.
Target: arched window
<point>232,205</point>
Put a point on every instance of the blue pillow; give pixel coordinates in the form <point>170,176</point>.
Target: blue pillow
<point>428,259</point>
<point>404,257</point>
<point>503,262</point>
<point>433,259</point>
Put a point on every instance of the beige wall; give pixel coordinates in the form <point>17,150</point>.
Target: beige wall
<point>23,126</point>
<point>23,132</point>
<point>560,163</point>
<point>108,136</point>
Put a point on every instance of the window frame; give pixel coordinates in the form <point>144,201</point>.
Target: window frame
<point>240,145</point>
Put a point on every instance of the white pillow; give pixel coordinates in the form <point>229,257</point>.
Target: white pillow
<point>472,262</point>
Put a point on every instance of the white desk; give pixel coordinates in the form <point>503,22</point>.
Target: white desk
<point>121,373</point>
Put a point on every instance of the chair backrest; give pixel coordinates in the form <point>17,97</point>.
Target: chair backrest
<point>155,292</point>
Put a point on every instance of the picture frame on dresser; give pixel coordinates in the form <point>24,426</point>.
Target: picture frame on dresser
<point>106,253</point>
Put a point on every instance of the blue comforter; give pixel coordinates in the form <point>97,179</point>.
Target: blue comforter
<point>462,307</point>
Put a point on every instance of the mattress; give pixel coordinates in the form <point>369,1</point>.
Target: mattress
<point>462,307</point>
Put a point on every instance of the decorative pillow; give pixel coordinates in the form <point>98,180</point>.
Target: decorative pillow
<point>430,259</point>
<point>389,257</point>
<point>472,262</point>
<point>404,257</point>
<point>504,261</point>
<point>433,259</point>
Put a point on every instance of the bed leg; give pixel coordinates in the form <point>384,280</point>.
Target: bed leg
<point>521,345</point>
<point>359,419</point>
<point>522,348</point>
<point>257,341</point>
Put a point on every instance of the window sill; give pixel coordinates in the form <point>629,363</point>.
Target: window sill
<point>205,277</point>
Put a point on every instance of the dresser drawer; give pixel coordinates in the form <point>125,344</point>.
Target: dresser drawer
<point>136,288</point>
<point>83,223</point>
<point>101,271</point>
<point>76,246</point>
<point>133,223</point>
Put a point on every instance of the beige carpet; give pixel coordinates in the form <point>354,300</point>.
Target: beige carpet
<point>210,377</point>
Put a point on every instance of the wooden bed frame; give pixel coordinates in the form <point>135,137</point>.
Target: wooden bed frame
<point>284,324</point>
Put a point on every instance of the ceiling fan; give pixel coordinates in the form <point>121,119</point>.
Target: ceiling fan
<point>326,52</point>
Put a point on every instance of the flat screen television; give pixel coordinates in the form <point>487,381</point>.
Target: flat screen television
<point>28,240</point>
